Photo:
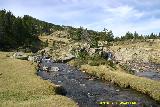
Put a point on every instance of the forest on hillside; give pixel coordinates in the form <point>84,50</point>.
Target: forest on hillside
<point>23,32</point>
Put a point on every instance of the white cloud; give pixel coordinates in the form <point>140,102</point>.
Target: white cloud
<point>121,11</point>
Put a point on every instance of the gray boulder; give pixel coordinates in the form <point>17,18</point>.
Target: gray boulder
<point>31,58</point>
<point>20,55</point>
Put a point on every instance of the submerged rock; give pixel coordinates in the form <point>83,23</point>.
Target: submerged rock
<point>54,69</point>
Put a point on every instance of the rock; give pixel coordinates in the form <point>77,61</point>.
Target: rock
<point>54,69</point>
<point>82,85</point>
<point>68,57</point>
<point>60,90</point>
<point>31,58</point>
<point>92,51</point>
<point>105,49</point>
<point>45,68</point>
<point>86,45</point>
<point>84,71</point>
<point>65,58</point>
<point>107,55</point>
<point>135,70</point>
<point>89,95</point>
<point>68,71</point>
<point>47,49</point>
<point>117,90</point>
<point>47,60</point>
<point>59,81</point>
<point>91,79</point>
<point>20,55</point>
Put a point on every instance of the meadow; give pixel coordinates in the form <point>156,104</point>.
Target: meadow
<point>21,87</point>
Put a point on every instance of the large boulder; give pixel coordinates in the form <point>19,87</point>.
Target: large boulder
<point>107,55</point>
<point>92,51</point>
<point>20,55</point>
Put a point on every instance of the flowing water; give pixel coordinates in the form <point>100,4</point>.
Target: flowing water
<point>151,70</point>
<point>88,92</point>
<point>149,74</point>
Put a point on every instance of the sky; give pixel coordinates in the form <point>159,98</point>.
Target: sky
<point>120,16</point>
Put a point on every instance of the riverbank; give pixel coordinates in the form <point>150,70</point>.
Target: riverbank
<point>21,87</point>
<point>143,85</point>
<point>89,91</point>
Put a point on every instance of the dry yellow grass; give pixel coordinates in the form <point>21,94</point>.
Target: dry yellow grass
<point>149,43</point>
<point>21,87</point>
<point>146,51</point>
<point>52,39</point>
<point>144,85</point>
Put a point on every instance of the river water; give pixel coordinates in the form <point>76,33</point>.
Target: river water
<point>88,92</point>
<point>150,70</point>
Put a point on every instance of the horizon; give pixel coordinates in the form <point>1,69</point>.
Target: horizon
<point>119,16</point>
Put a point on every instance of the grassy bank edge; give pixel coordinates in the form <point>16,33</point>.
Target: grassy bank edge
<point>143,85</point>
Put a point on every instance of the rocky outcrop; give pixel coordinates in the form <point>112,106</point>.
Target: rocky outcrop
<point>136,54</point>
<point>20,55</point>
<point>66,58</point>
<point>45,50</point>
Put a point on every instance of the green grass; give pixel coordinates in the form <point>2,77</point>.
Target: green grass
<point>143,85</point>
<point>21,87</point>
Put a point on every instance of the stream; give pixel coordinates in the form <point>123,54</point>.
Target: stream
<point>88,91</point>
<point>150,70</point>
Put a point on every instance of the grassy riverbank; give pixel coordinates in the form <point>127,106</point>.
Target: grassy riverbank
<point>143,85</point>
<point>117,75</point>
<point>21,87</point>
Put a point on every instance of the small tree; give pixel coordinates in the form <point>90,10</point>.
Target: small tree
<point>135,35</point>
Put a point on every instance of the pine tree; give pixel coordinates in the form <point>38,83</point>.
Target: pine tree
<point>135,35</point>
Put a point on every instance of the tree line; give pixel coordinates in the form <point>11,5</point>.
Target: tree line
<point>90,36</point>
<point>135,35</point>
<point>23,32</point>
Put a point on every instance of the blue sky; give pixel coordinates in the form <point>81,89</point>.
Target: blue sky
<point>119,16</point>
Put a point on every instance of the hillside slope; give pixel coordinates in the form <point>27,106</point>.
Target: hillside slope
<point>141,51</point>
